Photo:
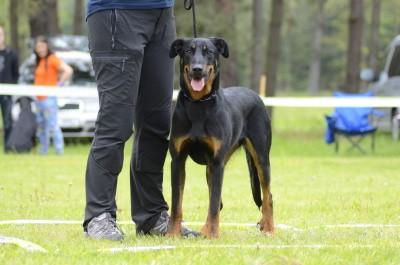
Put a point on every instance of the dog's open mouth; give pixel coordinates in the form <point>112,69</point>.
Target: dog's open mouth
<point>197,84</point>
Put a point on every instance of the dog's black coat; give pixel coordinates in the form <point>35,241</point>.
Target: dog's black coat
<point>23,133</point>
<point>209,125</point>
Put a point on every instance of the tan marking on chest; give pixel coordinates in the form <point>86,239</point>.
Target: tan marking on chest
<point>213,143</point>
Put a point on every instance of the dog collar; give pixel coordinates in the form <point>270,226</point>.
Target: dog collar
<point>210,96</point>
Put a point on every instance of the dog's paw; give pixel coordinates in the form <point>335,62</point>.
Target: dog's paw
<point>210,232</point>
<point>174,229</point>
<point>267,228</point>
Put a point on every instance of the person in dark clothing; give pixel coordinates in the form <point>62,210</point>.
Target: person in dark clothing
<point>129,43</point>
<point>8,74</point>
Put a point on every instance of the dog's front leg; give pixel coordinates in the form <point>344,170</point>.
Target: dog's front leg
<point>178,176</point>
<point>211,228</point>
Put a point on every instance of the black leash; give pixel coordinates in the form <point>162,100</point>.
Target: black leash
<point>189,4</point>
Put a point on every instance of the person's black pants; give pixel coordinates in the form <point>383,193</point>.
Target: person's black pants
<point>6,106</point>
<point>134,75</point>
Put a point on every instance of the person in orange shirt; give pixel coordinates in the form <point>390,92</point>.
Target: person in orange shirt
<point>49,71</point>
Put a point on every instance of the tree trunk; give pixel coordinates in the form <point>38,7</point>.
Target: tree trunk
<point>274,47</point>
<point>43,18</point>
<point>374,36</point>
<point>230,72</point>
<point>354,46</point>
<point>315,65</point>
<point>52,12</point>
<point>256,49</point>
<point>78,17</point>
<point>14,32</point>
<point>37,18</point>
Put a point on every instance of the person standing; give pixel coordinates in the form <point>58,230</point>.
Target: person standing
<point>129,43</point>
<point>8,74</point>
<point>49,71</point>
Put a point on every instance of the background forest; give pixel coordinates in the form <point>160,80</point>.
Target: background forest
<point>302,45</point>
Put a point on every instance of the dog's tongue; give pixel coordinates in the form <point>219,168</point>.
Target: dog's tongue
<point>197,85</point>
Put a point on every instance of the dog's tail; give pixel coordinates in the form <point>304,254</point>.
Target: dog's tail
<point>254,181</point>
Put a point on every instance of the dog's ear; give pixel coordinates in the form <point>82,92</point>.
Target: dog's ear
<point>24,98</point>
<point>176,48</point>
<point>222,46</point>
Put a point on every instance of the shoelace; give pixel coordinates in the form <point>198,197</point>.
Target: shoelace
<point>113,224</point>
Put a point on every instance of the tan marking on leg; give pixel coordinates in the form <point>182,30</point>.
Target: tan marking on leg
<point>175,225</point>
<point>211,227</point>
<point>266,222</point>
<point>213,143</point>
<point>179,143</point>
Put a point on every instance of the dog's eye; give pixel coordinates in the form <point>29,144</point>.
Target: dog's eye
<point>210,52</point>
<point>188,51</point>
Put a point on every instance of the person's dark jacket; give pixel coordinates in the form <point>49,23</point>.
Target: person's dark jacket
<point>95,5</point>
<point>10,73</point>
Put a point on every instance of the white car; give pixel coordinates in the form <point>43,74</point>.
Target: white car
<point>387,84</point>
<point>77,116</point>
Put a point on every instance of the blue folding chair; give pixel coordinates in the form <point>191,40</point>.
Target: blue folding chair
<point>351,123</point>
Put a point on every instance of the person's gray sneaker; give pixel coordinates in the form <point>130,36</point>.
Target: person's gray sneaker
<point>104,227</point>
<point>161,227</point>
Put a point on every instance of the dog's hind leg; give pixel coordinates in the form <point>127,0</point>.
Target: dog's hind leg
<point>266,223</point>
<point>254,181</point>
<point>260,163</point>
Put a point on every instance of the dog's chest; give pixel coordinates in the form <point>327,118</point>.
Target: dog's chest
<point>196,120</point>
<point>204,124</point>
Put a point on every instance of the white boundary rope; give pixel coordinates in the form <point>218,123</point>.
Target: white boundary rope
<point>22,243</point>
<point>39,222</point>
<point>137,249</point>
<point>326,102</point>
<point>31,90</point>
<point>304,102</point>
<point>75,222</point>
<point>225,224</point>
<point>36,248</point>
<point>232,246</point>
<point>362,226</point>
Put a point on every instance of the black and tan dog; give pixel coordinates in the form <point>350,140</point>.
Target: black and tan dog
<point>209,124</point>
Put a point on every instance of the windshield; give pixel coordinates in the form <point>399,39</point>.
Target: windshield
<point>394,67</point>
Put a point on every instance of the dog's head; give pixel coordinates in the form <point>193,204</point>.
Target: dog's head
<point>199,64</point>
<point>25,103</point>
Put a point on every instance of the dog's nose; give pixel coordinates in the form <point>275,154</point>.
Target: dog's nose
<point>197,69</point>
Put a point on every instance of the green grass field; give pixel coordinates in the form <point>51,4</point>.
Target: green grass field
<point>312,187</point>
